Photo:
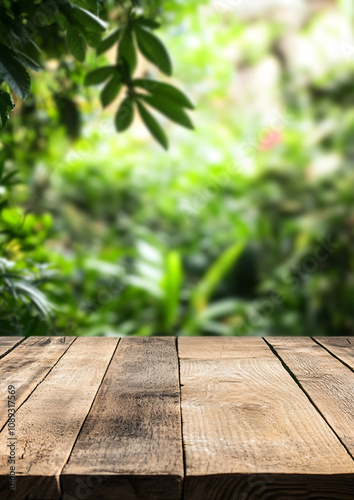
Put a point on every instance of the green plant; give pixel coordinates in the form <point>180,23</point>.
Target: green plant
<point>233,216</point>
<point>133,26</point>
<point>23,306</point>
<point>160,276</point>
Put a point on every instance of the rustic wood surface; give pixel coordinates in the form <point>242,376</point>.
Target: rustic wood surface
<point>244,414</point>
<point>27,365</point>
<point>135,425</point>
<point>49,423</point>
<point>340,347</point>
<point>326,381</point>
<point>178,419</point>
<point>8,343</point>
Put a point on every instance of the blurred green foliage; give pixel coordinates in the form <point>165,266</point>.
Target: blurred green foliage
<point>75,26</point>
<point>244,227</point>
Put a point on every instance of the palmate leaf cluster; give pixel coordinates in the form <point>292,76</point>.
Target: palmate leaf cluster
<point>75,26</point>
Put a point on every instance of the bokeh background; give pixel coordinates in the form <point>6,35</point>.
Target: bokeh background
<point>244,227</point>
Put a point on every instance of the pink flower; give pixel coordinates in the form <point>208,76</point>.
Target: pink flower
<point>270,139</point>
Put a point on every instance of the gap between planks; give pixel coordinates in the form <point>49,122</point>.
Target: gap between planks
<point>61,490</point>
<point>181,419</point>
<point>41,376</point>
<point>290,361</point>
<point>8,344</point>
<point>334,345</point>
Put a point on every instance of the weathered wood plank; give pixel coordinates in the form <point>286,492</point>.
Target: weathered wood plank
<point>134,426</point>
<point>341,347</point>
<point>49,422</point>
<point>27,365</point>
<point>328,383</point>
<point>250,432</point>
<point>8,343</point>
<point>270,486</point>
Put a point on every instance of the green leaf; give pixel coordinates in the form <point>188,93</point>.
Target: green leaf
<point>125,114</point>
<point>6,106</point>
<point>111,90</point>
<point>153,126</point>
<point>87,19</point>
<point>124,71</point>
<point>153,49</point>
<point>220,308</point>
<point>172,286</point>
<point>76,43</point>
<point>8,178</point>
<point>62,21</point>
<point>92,5</point>
<point>35,296</point>
<point>31,49</point>
<point>28,62</point>
<point>165,90</point>
<point>164,106</point>
<point>14,73</point>
<point>145,284</point>
<point>2,165</point>
<point>214,275</point>
<point>148,23</point>
<point>99,75</point>
<point>93,38</point>
<point>126,49</point>
<point>109,41</point>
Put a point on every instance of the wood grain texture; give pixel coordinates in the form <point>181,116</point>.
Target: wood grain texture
<point>27,365</point>
<point>130,446</point>
<point>341,347</point>
<point>270,486</point>
<point>8,343</point>
<point>250,432</point>
<point>49,422</point>
<point>328,383</point>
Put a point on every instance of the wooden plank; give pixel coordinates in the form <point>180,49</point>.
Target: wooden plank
<point>49,422</point>
<point>328,383</point>
<point>27,365</point>
<point>135,427</point>
<point>8,343</point>
<point>341,347</point>
<point>250,432</point>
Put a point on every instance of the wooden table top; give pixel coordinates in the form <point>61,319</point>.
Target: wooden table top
<point>193,418</point>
